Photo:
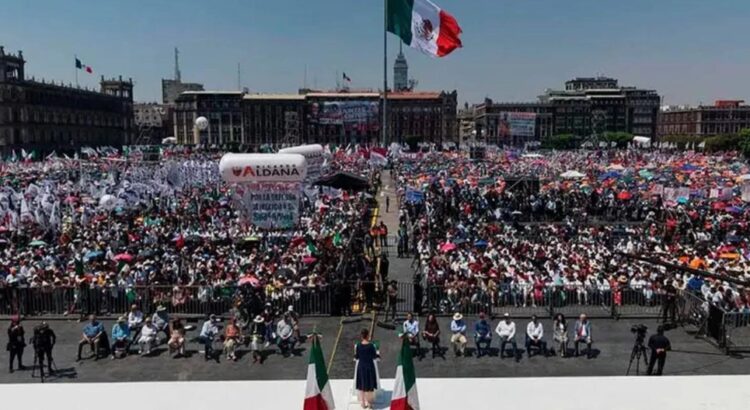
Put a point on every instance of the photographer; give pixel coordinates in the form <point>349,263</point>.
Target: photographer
<point>44,340</point>
<point>16,343</point>
<point>659,344</point>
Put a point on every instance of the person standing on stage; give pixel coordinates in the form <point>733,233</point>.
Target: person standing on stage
<point>366,375</point>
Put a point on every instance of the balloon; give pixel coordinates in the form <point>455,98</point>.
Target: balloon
<point>201,123</point>
<point>313,153</point>
<point>263,168</point>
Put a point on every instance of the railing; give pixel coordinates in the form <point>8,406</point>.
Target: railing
<point>736,331</point>
<point>547,301</point>
<point>183,300</point>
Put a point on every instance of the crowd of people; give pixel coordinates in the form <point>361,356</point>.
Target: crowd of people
<point>517,229</point>
<point>96,235</point>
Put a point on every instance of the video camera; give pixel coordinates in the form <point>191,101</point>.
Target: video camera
<point>640,331</point>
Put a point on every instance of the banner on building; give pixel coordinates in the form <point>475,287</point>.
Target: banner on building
<point>270,205</point>
<point>362,115</point>
<point>516,124</point>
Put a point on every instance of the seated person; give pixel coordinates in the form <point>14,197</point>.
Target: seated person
<point>560,334</point>
<point>431,334</point>
<point>135,323</point>
<point>160,320</point>
<point>120,338</point>
<point>208,333</point>
<point>232,338</point>
<point>583,334</point>
<point>535,337</point>
<point>506,330</point>
<point>93,335</point>
<point>482,336</point>
<point>411,332</point>
<point>458,338</point>
<point>177,337</point>
<point>285,335</point>
<point>147,339</point>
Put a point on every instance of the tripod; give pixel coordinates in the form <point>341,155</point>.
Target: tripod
<point>639,350</point>
<point>51,363</point>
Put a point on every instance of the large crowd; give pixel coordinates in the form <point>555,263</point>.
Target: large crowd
<point>99,234</point>
<point>519,229</point>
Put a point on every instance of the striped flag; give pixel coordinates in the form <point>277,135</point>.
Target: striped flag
<point>318,395</point>
<point>405,387</point>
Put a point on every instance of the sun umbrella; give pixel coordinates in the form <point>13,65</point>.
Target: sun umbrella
<point>734,209</point>
<point>718,206</point>
<point>308,260</point>
<point>572,175</point>
<point>624,195</point>
<point>480,243</point>
<point>124,257</point>
<point>249,280</point>
<point>447,247</point>
<point>93,255</point>
<point>37,243</point>
<point>70,199</point>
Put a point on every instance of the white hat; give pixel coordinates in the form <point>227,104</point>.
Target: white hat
<point>457,316</point>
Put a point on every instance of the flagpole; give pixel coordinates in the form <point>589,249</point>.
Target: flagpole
<point>76,65</point>
<point>384,125</point>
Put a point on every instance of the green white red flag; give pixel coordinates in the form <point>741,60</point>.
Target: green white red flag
<point>405,387</point>
<point>423,25</point>
<point>318,395</point>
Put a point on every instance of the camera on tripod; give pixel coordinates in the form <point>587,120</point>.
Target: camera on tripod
<point>640,332</point>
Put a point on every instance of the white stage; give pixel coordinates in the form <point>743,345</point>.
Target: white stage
<point>559,393</point>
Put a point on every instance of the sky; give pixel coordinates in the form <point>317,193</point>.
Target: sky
<point>690,51</point>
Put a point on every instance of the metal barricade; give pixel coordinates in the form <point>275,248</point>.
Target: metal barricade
<point>736,332</point>
<point>641,302</point>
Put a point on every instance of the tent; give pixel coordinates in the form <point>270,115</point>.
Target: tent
<point>642,141</point>
<point>344,180</point>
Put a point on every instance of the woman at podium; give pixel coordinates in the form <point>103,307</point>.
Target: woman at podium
<point>366,374</point>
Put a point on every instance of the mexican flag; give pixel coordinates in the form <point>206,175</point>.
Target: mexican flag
<point>318,395</point>
<point>424,26</point>
<point>405,388</point>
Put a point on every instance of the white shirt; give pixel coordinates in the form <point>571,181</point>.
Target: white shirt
<point>135,318</point>
<point>148,332</point>
<point>506,330</point>
<point>535,331</point>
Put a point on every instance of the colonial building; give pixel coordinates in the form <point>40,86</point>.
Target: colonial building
<point>311,116</point>
<point>45,116</point>
<point>223,109</point>
<point>401,73</point>
<point>724,117</point>
<point>586,107</point>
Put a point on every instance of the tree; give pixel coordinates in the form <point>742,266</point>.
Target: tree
<point>561,142</point>
<point>745,142</point>
<point>619,138</point>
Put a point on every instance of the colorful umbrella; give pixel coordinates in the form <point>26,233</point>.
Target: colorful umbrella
<point>124,257</point>
<point>447,247</point>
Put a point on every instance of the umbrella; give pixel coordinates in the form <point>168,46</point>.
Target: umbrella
<point>572,175</point>
<point>124,257</point>
<point>608,175</point>
<point>617,167</point>
<point>249,280</point>
<point>624,195</point>
<point>734,209</point>
<point>682,200</point>
<point>480,243</point>
<point>718,206</point>
<point>459,241</point>
<point>308,260</point>
<point>93,255</point>
<point>70,199</point>
<point>447,247</point>
<point>37,243</point>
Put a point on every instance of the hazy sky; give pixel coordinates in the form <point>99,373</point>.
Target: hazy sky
<point>689,50</point>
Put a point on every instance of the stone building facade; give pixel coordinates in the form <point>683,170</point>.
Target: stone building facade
<point>46,116</point>
<point>724,117</point>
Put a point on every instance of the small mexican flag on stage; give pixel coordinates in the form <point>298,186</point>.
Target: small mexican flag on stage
<point>318,395</point>
<point>405,387</point>
<point>424,26</point>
